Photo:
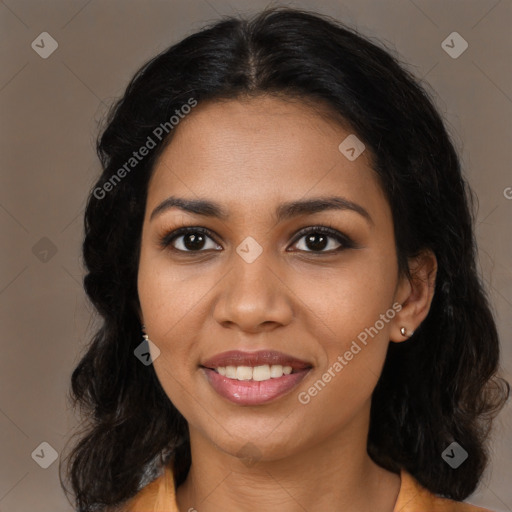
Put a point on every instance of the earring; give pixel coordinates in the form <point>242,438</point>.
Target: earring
<point>403,332</point>
<point>144,335</point>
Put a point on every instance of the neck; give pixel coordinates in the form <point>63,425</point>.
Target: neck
<point>335,472</point>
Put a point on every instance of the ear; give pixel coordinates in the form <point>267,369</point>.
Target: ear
<point>415,294</point>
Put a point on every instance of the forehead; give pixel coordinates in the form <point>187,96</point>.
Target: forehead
<point>258,150</point>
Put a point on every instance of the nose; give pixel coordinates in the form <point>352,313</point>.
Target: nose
<point>253,297</point>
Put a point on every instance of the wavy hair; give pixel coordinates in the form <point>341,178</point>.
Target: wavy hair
<point>441,385</point>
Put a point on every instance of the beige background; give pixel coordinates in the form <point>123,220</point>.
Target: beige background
<point>49,110</point>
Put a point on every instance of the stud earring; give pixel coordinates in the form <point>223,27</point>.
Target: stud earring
<point>403,332</point>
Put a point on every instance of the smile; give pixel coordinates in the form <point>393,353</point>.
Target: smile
<point>254,378</point>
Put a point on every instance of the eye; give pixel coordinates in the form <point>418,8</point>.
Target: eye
<point>193,239</point>
<point>316,240</point>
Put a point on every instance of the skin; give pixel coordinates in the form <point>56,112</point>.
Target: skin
<point>251,155</point>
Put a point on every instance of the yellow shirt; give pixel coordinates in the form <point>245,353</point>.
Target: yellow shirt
<point>160,496</point>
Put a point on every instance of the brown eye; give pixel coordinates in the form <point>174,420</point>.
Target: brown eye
<point>189,239</point>
<point>319,238</point>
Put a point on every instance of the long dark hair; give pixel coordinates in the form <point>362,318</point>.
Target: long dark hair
<point>440,386</point>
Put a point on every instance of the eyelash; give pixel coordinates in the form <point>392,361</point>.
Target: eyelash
<point>345,241</point>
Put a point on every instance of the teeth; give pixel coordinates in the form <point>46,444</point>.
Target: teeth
<point>257,373</point>
<point>243,372</point>
<point>231,372</point>
<point>261,372</point>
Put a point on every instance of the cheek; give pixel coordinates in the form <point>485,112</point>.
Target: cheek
<point>352,313</point>
<point>169,293</point>
<point>349,299</point>
<point>353,362</point>
<point>173,303</point>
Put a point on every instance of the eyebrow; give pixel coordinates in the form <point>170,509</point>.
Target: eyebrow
<point>284,211</point>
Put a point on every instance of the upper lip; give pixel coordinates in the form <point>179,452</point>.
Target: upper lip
<point>259,358</point>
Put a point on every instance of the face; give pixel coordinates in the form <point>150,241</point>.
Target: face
<point>264,278</point>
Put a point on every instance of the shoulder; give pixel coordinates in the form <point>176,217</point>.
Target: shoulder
<point>157,496</point>
<point>413,497</point>
<point>160,496</point>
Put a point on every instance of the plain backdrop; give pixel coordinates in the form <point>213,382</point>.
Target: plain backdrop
<point>49,114</point>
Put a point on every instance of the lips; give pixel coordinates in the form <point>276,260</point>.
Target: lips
<point>253,393</point>
<point>262,357</point>
<point>232,375</point>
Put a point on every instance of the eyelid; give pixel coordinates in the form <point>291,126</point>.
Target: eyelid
<point>345,242</point>
<point>168,237</point>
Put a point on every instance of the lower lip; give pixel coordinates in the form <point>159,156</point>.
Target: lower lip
<point>250,392</point>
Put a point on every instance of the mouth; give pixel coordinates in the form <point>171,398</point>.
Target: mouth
<point>254,378</point>
<point>256,373</point>
<point>238,358</point>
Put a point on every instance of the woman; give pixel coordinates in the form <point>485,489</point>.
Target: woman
<point>282,252</point>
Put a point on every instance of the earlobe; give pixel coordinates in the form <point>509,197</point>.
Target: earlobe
<point>415,294</point>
